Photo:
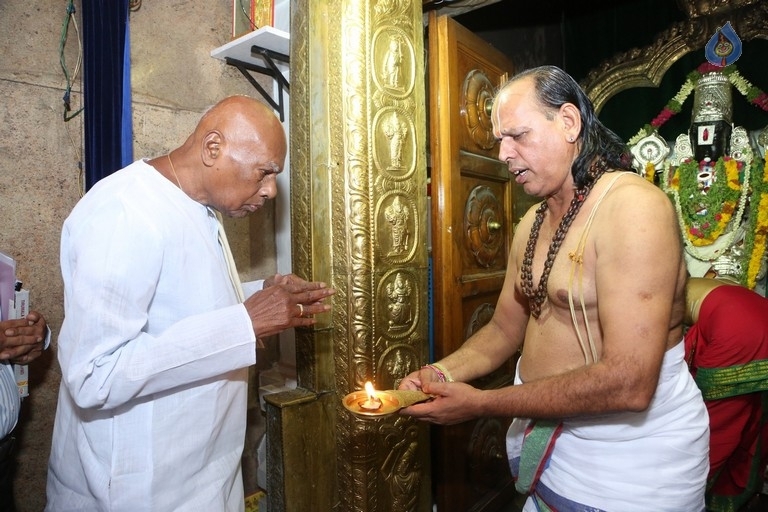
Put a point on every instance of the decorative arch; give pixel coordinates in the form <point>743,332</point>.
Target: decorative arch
<point>645,67</point>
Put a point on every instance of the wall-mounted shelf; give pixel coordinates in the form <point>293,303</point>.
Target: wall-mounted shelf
<point>260,52</point>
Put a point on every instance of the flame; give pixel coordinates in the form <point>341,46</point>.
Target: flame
<point>371,392</point>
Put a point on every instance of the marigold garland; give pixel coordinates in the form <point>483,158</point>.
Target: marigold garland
<point>755,246</point>
<point>650,171</point>
<point>705,214</point>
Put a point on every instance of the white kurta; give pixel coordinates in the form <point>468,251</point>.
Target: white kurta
<point>154,351</point>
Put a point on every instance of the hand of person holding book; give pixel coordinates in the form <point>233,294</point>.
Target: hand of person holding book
<point>22,340</point>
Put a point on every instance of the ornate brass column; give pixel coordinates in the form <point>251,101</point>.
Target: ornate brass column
<point>359,222</point>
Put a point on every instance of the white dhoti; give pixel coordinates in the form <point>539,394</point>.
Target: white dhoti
<point>628,462</point>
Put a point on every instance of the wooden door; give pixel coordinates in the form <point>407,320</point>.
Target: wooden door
<point>473,213</point>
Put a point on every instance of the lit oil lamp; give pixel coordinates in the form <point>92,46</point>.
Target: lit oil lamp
<point>369,403</point>
<point>372,403</point>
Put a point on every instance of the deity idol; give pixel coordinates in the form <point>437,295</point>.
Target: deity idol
<point>708,179</point>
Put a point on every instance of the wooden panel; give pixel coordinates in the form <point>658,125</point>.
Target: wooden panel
<point>472,224</point>
<point>457,159</point>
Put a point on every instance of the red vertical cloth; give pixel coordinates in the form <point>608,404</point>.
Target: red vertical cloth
<point>732,330</point>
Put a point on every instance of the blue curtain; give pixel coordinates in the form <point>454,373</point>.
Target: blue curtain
<point>106,88</point>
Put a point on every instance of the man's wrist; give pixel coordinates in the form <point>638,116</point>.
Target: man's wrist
<point>442,373</point>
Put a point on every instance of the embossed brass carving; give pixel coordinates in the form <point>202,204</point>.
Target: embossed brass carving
<point>398,220</point>
<point>394,60</point>
<point>358,197</point>
<point>395,142</point>
<point>397,296</point>
<point>397,214</point>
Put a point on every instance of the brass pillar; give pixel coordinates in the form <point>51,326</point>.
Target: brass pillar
<point>359,222</point>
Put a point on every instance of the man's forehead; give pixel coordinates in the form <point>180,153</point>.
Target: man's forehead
<point>514,102</point>
<point>518,89</point>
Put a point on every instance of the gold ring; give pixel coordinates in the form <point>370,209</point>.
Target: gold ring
<point>301,309</point>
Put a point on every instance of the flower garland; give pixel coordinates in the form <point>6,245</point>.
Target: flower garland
<point>754,192</point>
<point>705,213</point>
<point>753,94</point>
<point>755,246</point>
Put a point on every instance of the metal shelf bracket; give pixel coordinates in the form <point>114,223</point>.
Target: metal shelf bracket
<point>271,69</point>
<point>264,58</point>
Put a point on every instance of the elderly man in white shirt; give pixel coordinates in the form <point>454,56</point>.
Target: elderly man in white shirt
<point>156,339</point>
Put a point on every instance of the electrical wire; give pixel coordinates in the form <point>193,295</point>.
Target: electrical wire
<point>78,155</point>
<point>62,60</point>
<point>71,18</point>
<point>247,16</point>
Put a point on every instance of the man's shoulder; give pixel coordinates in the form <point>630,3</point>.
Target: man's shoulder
<point>631,192</point>
<point>136,172</point>
<point>133,195</point>
<point>135,186</point>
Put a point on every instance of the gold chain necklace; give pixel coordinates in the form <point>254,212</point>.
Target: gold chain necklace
<point>173,170</point>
